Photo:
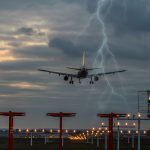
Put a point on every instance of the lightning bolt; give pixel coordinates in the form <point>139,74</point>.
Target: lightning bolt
<point>105,49</point>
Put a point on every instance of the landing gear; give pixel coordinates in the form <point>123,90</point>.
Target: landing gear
<point>91,82</point>
<point>71,82</point>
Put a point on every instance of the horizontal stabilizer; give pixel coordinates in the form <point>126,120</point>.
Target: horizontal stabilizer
<point>73,68</point>
<point>93,68</point>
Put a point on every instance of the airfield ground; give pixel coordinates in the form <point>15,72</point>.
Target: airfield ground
<point>24,144</point>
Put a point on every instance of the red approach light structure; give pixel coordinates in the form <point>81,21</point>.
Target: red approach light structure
<point>110,117</point>
<point>11,114</point>
<point>61,115</point>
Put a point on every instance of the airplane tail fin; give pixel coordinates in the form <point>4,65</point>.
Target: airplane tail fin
<point>83,59</point>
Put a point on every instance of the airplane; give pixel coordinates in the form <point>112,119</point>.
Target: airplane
<point>83,72</point>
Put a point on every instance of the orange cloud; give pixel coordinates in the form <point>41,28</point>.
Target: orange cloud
<point>26,85</point>
<point>5,55</point>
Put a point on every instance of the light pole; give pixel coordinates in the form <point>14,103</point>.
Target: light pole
<point>111,117</point>
<point>106,140</point>
<point>118,141</point>
<point>139,131</point>
<point>61,115</point>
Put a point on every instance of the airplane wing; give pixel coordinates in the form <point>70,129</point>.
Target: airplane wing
<point>59,73</point>
<point>106,73</point>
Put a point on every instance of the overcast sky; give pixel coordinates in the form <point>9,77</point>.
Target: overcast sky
<point>52,34</point>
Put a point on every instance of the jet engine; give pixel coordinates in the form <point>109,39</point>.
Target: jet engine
<point>96,78</point>
<point>66,78</point>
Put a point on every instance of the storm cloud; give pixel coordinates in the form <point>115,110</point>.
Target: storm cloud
<point>53,34</point>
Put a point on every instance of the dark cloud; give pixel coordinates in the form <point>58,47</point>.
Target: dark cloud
<point>26,30</point>
<point>23,4</point>
<point>124,15</point>
<point>67,46</point>
<point>131,16</point>
<point>29,31</point>
<point>92,5</point>
<point>75,48</point>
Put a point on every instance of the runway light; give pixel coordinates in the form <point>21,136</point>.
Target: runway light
<point>139,115</point>
<point>128,115</point>
<point>102,123</point>
<point>134,124</point>
<point>118,123</point>
<point>129,132</point>
<point>66,131</point>
<point>19,130</point>
<point>27,130</point>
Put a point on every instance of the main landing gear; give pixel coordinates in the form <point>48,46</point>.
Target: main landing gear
<point>91,82</point>
<point>71,81</point>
